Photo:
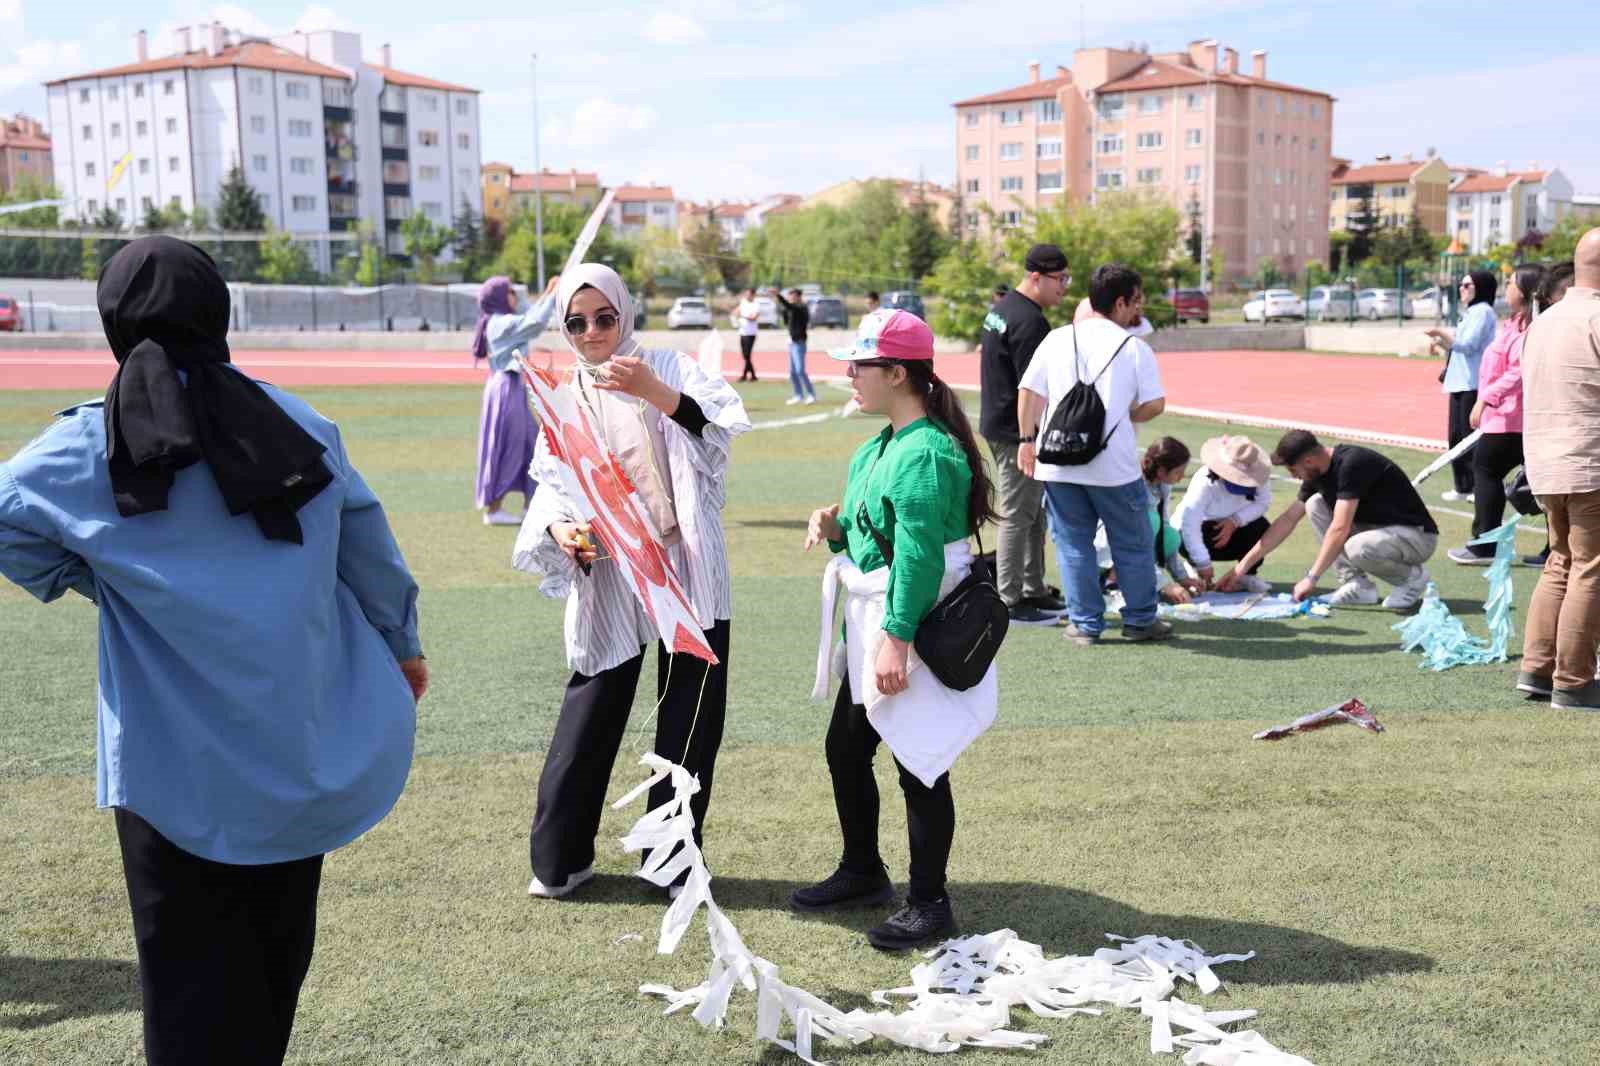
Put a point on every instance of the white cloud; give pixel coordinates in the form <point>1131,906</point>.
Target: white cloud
<point>597,122</point>
<point>318,17</point>
<point>37,61</point>
<point>669,27</point>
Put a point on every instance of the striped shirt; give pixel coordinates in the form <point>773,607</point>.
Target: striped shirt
<point>606,625</point>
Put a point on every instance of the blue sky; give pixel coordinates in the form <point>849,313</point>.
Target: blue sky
<point>741,98</point>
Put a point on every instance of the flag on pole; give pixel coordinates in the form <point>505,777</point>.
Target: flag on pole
<point>116,171</point>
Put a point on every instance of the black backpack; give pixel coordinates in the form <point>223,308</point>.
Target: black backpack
<point>1077,429</point>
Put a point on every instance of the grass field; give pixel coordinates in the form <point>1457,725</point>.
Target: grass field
<point>1426,896</point>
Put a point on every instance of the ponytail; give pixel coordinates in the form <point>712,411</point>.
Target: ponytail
<point>1168,453</point>
<point>944,408</point>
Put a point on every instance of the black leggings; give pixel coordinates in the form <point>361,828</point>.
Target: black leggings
<point>1244,538</point>
<point>930,812</point>
<point>1495,456</point>
<point>1461,404</point>
<point>747,347</point>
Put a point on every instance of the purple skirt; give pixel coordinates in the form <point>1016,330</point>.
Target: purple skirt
<point>507,433</point>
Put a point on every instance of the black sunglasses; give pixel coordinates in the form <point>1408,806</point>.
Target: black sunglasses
<point>881,364</point>
<point>604,322</point>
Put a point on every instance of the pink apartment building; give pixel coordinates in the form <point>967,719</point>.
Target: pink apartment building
<point>1249,157</point>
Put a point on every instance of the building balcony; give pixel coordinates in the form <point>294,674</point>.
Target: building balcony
<point>398,154</point>
<point>338,183</point>
<point>336,113</point>
<point>394,118</point>
<point>400,189</point>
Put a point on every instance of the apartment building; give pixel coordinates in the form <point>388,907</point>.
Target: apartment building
<point>1397,190</point>
<point>327,139</point>
<point>507,192</point>
<point>634,207</point>
<point>24,152</point>
<point>1247,157</point>
<point>1502,205</point>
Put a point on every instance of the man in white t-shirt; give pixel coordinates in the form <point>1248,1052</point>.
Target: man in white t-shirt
<point>747,317</point>
<point>1109,488</point>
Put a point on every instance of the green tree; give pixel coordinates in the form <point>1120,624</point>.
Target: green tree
<point>466,241</point>
<point>1562,240</point>
<point>662,263</point>
<point>963,280</point>
<point>36,256</point>
<point>1361,226</point>
<point>925,240</point>
<point>1267,272</point>
<point>98,253</point>
<point>708,245</point>
<point>1339,250</point>
<point>284,261</point>
<point>518,257</point>
<point>239,211</point>
<point>423,242</point>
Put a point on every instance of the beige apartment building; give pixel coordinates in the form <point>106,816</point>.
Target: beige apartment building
<point>508,192</point>
<point>24,152</point>
<point>1248,157</point>
<point>1397,190</point>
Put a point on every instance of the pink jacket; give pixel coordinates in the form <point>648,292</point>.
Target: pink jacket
<point>1500,379</point>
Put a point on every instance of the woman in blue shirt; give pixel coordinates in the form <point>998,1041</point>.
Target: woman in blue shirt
<point>1460,378</point>
<point>259,661</point>
<point>507,430</point>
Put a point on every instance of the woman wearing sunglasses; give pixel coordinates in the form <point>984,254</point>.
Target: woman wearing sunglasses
<point>1465,347</point>
<point>920,485</point>
<point>507,429</point>
<point>669,426</point>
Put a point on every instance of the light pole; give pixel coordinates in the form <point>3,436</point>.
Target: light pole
<point>538,182</point>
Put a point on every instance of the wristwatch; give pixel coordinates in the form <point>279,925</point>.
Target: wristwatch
<point>1312,576</point>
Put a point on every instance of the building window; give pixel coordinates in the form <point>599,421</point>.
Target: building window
<point>1150,104</point>
<point>427,173</point>
<point>428,138</point>
<point>1277,246</point>
<point>1333,193</point>
<point>1108,179</point>
<point>94,205</point>
<point>1277,176</point>
<point>146,203</point>
<point>144,166</point>
<point>296,90</point>
<point>299,127</point>
<point>88,170</point>
<point>1191,138</point>
<point>167,87</point>
<point>432,208</point>
<point>1261,105</point>
<point>1261,138</point>
<point>1397,192</point>
<point>972,153</point>
<point>1293,246</point>
<point>1277,140</point>
<point>111,94</point>
<point>259,162</point>
<point>1110,106</point>
<point>1110,145</point>
<point>1148,142</point>
<point>122,204</point>
<point>1196,101</point>
<point>392,136</point>
<point>972,219</point>
<point>300,165</point>
<point>255,83</point>
<point>972,184</point>
<point>141,128</point>
<point>1277,104</point>
<point>88,133</point>
<point>462,107</point>
<point>1314,143</point>
<point>1010,218</point>
<point>1316,109</point>
<point>172,164</point>
<point>258,124</point>
<point>138,91</point>
<point>1011,116</point>
<point>172,125</point>
<point>116,129</point>
<point>1011,150</point>
<point>396,172</point>
<point>266,202</point>
<point>397,207</point>
<point>1049,111</point>
<point>1494,201</point>
<point>430,103</point>
<point>1012,183</point>
<point>465,174</point>
<point>972,118</point>
<point>1049,149</point>
<point>302,203</point>
<point>1149,175</point>
<point>1191,174</point>
<point>83,98</point>
<point>464,141</point>
<point>1050,182</point>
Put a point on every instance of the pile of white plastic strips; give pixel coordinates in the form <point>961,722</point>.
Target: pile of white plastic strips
<point>961,997</point>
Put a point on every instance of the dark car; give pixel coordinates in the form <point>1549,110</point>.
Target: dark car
<point>905,301</point>
<point>10,315</point>
<point>828,311</point>
<point>1191,303</point>
<point>640,312</point>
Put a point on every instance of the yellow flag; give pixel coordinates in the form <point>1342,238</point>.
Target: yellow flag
<point>116,171</point>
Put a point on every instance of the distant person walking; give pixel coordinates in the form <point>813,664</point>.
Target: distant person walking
<point>797,316</point>
<point>507,429</point>
<point>1465,346</point>
<point>747,319</point>
<point>873,301</point>
<point>1561,427</point>
<point>1012,331</point>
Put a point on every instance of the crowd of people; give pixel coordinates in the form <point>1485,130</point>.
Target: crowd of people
<point>287,651</point>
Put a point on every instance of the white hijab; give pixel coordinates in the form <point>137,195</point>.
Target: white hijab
<point>605,281</point>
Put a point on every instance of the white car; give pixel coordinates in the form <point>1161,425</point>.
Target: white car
<point>1269,304</point>
<point>1373,304</point>
<point>1426,304</point>
<point>1330,302</point>
<point>689,312</point>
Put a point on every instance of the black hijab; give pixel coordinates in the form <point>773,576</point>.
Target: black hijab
<point>1484,285</point>
<point>165,308</point>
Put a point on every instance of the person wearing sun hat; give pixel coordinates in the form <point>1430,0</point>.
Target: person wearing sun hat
<point>1224,513</point>
<point>921,485</point>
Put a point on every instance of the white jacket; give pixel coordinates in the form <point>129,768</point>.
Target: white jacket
<point>1209,501</point>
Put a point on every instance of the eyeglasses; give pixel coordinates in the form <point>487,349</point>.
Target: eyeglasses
<point>604,322</point>
<point>857,365</point>
<point>1062,278</point>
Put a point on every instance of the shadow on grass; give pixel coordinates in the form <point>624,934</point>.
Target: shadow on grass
<point>1072,921</point>
<point>771,523</point>
<point>66,988</point>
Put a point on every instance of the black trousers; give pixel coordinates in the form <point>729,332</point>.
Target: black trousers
<point>1496,455</point>
<point>223,949</point>
<point>1461,404</point>
<point>930,812</point>
<point>747,347</point>
<point>1244,538</point>
<point>589,731</point>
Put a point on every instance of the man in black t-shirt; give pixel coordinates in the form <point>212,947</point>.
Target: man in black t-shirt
<point>1370,518</point>
<point>1012,330</point>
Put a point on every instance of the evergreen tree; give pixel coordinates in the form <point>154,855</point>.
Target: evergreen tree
<point>424,242</point>
<point>239,211</point>
<point>925,241</point>
<point>1361,227</point>
<point>1194,240</point>
<point>466,240</point>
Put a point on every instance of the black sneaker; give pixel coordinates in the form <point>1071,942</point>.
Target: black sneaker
<point>845,888</point>
<point>1048,602</point>
<point>1025,614</point>
<point>1583,698</point>
<point>914,924</point>
<point>1534,686</point>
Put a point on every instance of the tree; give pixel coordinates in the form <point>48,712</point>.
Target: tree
<point>925,241</point>
<point>708,245</point>
<point>423,243</point>
<point>1338,250</point>
<point>1361,226</point>
<point>1267,271</point>
<point>97,253</point>
<point>284,261</point>
<point>518,256</point>
<point>1562,240</point>
<point>662,262</point>
<point>239,211</point>
<point>36,256</point>
<point>1195,239</point>
<point>466,240</point>
<point>963,280</point>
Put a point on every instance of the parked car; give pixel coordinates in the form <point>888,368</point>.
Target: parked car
<point>769,313</point>
<point>1329,302</point>
<point>689,312</point>
<point>1191,303</point>
<point>901,300</point>
<point>810,291</point>
<point>1426,304</point>
<point>10,315</point>
<point>1373,304</point>
<point>828,311</point>
<point>1269,304</point>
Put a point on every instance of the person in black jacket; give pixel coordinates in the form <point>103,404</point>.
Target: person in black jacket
<point>798,318</point>
<point>1012,330</point>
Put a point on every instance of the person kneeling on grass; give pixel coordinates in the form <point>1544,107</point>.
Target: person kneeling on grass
<point>1163,466</point>
<point>1370,518</point>
<point>915,492</point>
<point>1224,513</point>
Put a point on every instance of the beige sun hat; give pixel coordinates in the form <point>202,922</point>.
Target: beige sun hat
<point>1237,459</point>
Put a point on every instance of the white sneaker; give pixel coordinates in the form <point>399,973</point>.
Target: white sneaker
<point>810,400</point>
<point>1358,592</point>
<point>791,401</point>
<point>1452,496</point>
<point>500,518</point>
<point>1408,595</point>
<point>1255,584</point>
<point>538,888</point>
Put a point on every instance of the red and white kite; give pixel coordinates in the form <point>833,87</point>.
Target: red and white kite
<point>610,504</point>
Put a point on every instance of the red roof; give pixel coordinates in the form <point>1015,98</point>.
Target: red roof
<point>257,55</point>
<point>554,182</point>
<point>634,193</point>
<point>1172,75</point>
<point>1034,90</point>
<point>1377,173</point>
<point>417,81</point>
<point>1497,183</point>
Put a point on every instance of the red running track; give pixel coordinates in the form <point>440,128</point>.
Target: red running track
<point>1376,395</point>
